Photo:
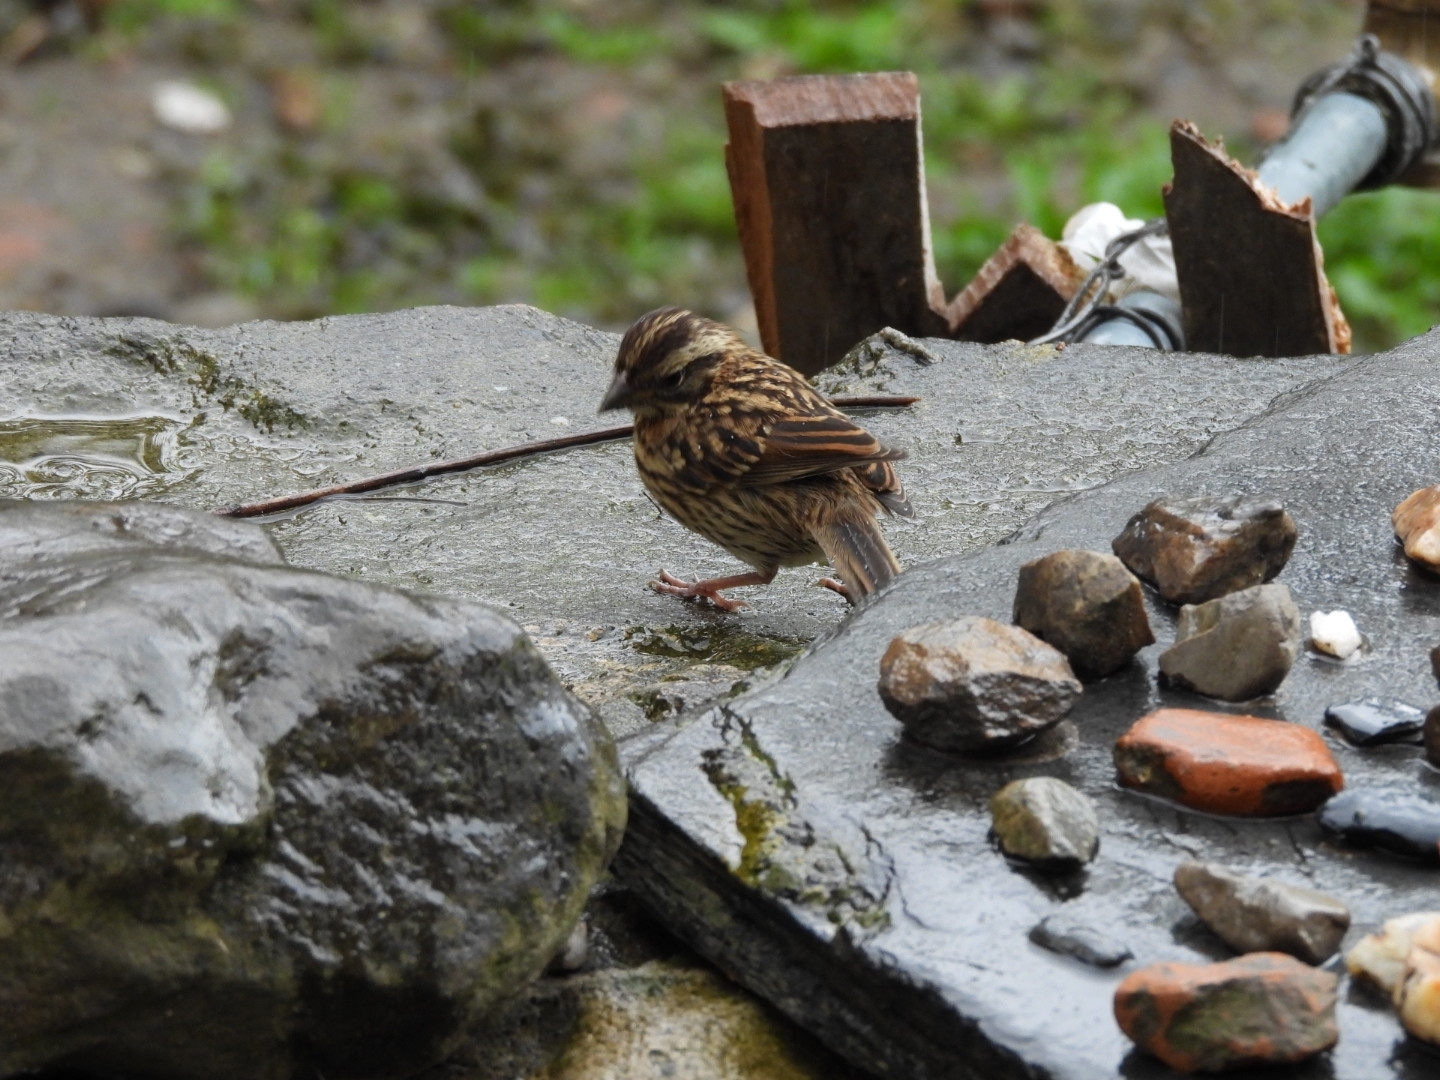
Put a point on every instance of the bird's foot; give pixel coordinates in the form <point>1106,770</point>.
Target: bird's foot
<point>670,585</point>
<point>837,586</point>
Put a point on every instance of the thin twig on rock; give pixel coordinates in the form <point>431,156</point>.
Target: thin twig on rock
<point>494,457</point>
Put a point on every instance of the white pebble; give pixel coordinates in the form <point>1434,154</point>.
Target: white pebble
<point>1334,632</point>
<point>185,107</point>
<point>560,421</point>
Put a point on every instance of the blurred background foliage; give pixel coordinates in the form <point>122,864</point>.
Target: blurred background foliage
<point>570,154</point>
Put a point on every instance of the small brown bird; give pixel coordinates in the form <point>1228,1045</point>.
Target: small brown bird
<point>741,449</point>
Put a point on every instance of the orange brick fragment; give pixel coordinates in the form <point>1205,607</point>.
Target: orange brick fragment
<point>1225,764</point>
<point>1263,1007</point>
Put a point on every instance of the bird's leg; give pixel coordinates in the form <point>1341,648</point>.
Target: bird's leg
<point>710,590</point>
<point>837,586</point>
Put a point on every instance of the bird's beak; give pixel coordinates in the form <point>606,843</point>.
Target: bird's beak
<point>618,396</point>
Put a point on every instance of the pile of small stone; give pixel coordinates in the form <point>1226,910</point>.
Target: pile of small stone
<point>1237,636</point>
<point>973,684</point>
<point>1267,1005</point>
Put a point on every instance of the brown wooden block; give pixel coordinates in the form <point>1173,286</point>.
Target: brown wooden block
<point>826,173</point>
<point>1019,292</point>
<point>1252,278</point>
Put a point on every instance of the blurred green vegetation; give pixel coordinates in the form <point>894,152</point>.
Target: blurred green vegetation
<point>600,211</point>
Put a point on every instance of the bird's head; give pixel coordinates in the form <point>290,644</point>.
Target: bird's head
<point>667,360</point>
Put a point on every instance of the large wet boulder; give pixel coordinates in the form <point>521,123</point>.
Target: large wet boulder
<point>256,820</point>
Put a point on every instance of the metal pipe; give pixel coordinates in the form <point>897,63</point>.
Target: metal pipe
<point>1336,145</point>
<point>1124,330</point>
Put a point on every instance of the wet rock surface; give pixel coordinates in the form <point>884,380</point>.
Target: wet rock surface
<point>1088,606</point>
<point>1404,824</point>
<point>1198,549</point>
<point>1417,526</point>
<point>1376,721</point>
<point>925,923</point>
<point>975,684</point>
<point>640,1005</point>
<point>1264,1008</point>
<point>213,418</point>
<point>1255,915</point>
<point>127,408</point>
<point>1237,647</point>
<point>1046,822</point>
<point>1223,764</point>
<point>259,820</point>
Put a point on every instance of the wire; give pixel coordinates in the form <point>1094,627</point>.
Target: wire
<point>1080,314</point>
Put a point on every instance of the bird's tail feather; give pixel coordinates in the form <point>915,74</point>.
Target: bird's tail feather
<point>858,551</point>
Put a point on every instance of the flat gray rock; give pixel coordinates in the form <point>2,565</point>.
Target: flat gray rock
<point>899,933</point>
<point>565,543</point>
<point>134,408</point>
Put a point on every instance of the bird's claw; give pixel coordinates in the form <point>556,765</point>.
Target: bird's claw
<point>837,586</point>
<point>670,585</point>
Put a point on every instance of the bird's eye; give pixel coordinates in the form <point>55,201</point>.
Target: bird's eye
<point>674,381</point>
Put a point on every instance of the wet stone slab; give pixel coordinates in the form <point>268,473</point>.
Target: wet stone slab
<point>564,543</point>
<point>846,873</point>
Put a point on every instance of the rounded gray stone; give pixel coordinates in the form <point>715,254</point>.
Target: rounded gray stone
<point>1237,647</point>
<point>1045,821</point>
<point>973,684</point>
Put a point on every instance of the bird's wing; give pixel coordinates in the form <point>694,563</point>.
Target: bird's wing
<point>793,447</point>
<point>880,478</point>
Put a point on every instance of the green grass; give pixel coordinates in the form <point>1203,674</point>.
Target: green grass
<point>1380,254</point>
<point>306,233</point>
<point>134,16</point>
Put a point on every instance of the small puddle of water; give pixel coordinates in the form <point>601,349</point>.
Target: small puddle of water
<point>72,457</point>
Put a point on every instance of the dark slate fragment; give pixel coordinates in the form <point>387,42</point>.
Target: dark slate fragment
<point>1072,937</point>
<point>1375,721</point>
<point>1193,550</point>
<point>1402,824</point>
<point>1431,736</point>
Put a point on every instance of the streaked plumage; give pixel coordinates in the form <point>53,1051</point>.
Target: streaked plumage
<point>741,449</point>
